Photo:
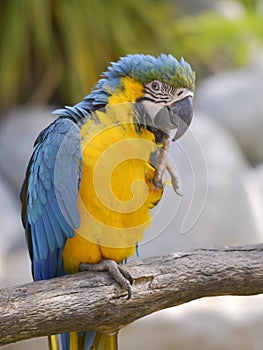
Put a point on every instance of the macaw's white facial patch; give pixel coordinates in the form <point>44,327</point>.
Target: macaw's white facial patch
<point>164,94</point>
<point>158,104</point>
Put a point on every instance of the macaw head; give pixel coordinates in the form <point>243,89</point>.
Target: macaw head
<point>162,89</point>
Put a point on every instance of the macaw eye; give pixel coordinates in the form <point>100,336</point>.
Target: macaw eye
<point>155,86</point>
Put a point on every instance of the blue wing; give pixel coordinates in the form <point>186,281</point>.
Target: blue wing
<point>49,196</point>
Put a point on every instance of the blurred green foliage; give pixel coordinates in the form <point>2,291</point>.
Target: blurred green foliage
<point>55,50</point>
<point>215,43</point>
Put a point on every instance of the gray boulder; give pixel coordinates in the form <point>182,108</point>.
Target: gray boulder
<point>9,216</point>
<point>11,228</point>
<point>254,184</point>
<point>235,100</point>
<point>209,324</point>
<point>18,133</point>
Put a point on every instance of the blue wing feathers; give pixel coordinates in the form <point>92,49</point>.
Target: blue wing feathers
<point>51,239</point>
<point>41,190</point>
<point>33,237</point>
<point>55,227</point>
<point>69,209</point>
<point>59,218</point>
<point>41,239</point>
<point>49,196</point>
<point>52,266</point>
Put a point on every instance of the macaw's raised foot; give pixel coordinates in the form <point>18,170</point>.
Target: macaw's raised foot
<point>162,164</point>
<point>120,275</point>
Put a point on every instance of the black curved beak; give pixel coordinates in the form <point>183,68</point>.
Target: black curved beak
<point>181,115</point>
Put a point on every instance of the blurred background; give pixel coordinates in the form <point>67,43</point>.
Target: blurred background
<point>53,51</point>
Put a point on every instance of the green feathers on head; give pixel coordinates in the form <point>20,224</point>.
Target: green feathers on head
<point>168,69</point>
<point>146,68</point>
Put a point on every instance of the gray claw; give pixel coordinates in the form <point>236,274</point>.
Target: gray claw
<point>120,275</point>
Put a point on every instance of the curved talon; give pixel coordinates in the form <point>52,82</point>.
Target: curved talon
<point>179,193</point>
<point>174,178</point>
<point>120,275</point>
<point>126,274</point>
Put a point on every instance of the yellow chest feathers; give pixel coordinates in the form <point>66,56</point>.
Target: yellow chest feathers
<point>116,191</point>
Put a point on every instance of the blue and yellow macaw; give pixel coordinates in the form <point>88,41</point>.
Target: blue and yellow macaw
<point>92,179</point>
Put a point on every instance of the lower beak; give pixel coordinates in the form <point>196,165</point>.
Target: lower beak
<point>181,115</point>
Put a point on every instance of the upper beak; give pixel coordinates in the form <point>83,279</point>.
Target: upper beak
<point>181,114</point>
<point>178,115</point>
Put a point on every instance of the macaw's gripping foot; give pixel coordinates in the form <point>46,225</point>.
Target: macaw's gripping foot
<point>120,275</point>
<point>163,164</point>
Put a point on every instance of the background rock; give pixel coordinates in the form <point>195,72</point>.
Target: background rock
<point>18,133</point>
<point>218,323</point>
<point>12,236</point>
<point>235,100</point>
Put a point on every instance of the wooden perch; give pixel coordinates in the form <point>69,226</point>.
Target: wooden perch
<point>95,301</point>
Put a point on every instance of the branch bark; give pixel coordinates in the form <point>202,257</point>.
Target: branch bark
<point>95,301</point>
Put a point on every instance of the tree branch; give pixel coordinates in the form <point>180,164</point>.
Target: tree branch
<point>94,301</point>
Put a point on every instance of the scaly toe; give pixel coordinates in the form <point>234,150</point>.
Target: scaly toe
<point>120,275</point>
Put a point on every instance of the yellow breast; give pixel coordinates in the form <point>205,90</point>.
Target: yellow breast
<point>116,191</point>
